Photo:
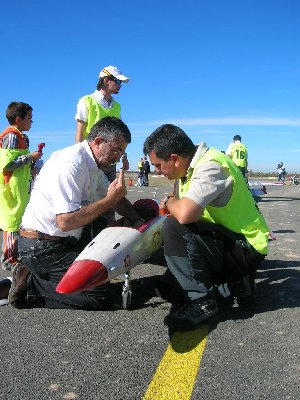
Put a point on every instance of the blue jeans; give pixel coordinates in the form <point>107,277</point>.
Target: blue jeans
<point>48,261</point>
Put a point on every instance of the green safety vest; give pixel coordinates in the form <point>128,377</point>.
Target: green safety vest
<point>14,194</point>
<point>251,223</point>
<point>97,112</point>
<point>239,154</point>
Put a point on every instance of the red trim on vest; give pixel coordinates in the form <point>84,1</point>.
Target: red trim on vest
<point>10,129</point>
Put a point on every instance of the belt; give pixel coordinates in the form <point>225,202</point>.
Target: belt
<point>38,235</point>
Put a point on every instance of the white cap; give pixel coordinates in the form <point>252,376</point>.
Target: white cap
<point>114,71</point>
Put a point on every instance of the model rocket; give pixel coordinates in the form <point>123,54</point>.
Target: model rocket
<point>115,250</point>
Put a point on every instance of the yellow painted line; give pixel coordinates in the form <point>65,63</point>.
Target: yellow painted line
<point>176,374</point>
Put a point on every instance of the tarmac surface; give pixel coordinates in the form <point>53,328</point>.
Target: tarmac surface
<point>251,353</point>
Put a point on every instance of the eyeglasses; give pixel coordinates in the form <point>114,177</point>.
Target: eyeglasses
<point>116,150</point>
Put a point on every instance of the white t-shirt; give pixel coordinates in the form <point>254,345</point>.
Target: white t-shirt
<point>67,181</point>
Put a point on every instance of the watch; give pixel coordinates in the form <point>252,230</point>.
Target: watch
<point>166,199</point>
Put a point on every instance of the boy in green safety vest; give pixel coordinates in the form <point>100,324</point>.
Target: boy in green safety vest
<point>15,168</point>
<point>215,237</point>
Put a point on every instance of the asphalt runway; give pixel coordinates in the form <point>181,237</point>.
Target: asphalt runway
<point>115,355</point>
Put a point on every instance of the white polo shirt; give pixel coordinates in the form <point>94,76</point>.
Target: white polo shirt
<point>67,181</point>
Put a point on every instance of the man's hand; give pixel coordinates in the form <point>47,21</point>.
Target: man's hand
<point>117,189</point>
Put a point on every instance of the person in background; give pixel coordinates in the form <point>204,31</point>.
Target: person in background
<point>63,215</point>
<point>238,152</point>
<point>101,103</point>
<point>145,170</point>
<point>15,166</point>
<point>140,172</point>
<point>215,233</point>
<point>281,172</point>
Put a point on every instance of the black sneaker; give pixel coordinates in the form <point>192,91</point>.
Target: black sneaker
<point>192,314</point>
<point>171,293</point>
<point>243,290</point>
<point>5,285</point>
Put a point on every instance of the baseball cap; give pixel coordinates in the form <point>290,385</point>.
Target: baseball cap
<point>114,71</point>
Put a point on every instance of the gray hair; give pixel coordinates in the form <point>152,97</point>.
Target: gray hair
<point>109,129</point>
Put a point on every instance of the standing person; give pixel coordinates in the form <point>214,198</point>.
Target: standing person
<point>64,212</point>
<point>146,170</point>
<point>93,107</point>
<point>238,152</point>
<point>281,172</point>
<point>215,233</point>
<point>140,172</point>
<point>15,166</point>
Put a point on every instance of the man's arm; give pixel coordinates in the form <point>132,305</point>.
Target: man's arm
<point>80,128</point>
<point>184,210</point>
<point>85,215</point>
<point>228,151</point>
<point>126,209</point>
<point>211,184</point>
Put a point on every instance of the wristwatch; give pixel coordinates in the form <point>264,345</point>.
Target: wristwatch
<point>166,199</point>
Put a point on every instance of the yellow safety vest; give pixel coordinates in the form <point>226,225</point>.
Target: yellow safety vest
<point>14,193</point>
<point>97,112</point>
<point>251,223</point>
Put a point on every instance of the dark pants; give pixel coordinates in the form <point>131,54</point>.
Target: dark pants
<point>48,261</point>
<point>243,171</point>
<point>145,179</point>
<point>203,254</point>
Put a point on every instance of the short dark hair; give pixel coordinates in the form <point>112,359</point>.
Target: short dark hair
<point>169,139</point>
<point>17,109</point>
<point>237,137</point>
<point>109,128</point>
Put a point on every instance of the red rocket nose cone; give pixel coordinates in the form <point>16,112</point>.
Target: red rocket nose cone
<point>82,275</point>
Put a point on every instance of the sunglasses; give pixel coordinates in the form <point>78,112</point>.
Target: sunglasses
<point>118,82</point>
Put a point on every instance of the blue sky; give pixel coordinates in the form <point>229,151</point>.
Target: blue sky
<point>215,68</point>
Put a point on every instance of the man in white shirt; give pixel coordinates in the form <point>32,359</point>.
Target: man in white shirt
<point>70,194</point>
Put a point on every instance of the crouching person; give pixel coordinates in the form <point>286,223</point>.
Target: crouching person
<point>215,233</point>
<point>69,197</point>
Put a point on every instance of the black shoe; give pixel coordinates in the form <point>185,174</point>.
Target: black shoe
<point>170,293</point>
<point>243,290</point>
<point>5,285</point>
<point>169,289</point>
<point>18,291</point>
<point>192,314</point>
